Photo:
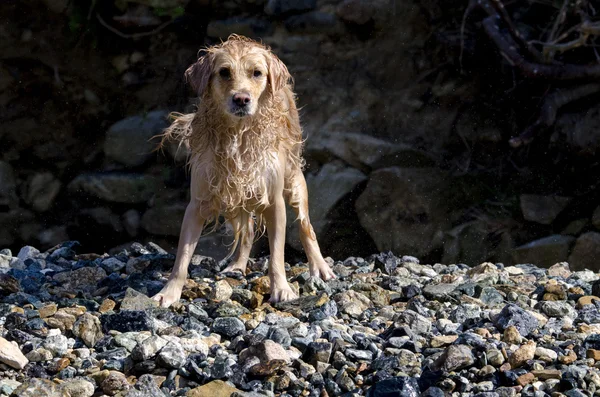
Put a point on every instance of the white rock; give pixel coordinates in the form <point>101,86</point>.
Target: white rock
<point>11,355</point>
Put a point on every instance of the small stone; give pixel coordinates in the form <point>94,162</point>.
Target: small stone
<point>216,388</point>
<point>135,300</point>
<point>360,355</point>
<point>523,354</point>
<point>547,355</point>
<point>56,344</point>
<point>317,352</point>
<point>78,388</point>
<point>512,314</point>
<point>525,379</point>
<point>172,356</point>
<point>148,348</point>
<point>352,303</point>
<point>11,355</point>
<point>114,383</point>
<point>59,364</point>
<point>544,374</point>
<point>560,269</point>
<point>569,358</point>
<point>495,357</point>
<point>457,357</point>
<point>261,285</point>
<point>88,329</point>
<point>443,340</point>
<point>586,300</point>
<point>512,336</point>
<point>593,354</point>
<point>229,326</point>
<point>48,310</point>
<point>221,291</point>
<point>106,306</point>
<point>35,387</point>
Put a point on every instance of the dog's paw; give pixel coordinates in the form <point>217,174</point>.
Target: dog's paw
<point>322,271</point>
<point>282,294</point>
<point>170,294</point>
<point>235,267</point>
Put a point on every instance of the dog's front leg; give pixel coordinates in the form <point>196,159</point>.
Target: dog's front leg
<point>191,229</point>
<point>275,219</point>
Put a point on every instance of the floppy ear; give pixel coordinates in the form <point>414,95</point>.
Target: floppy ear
<point>279,76</point>
<point>198,75</point>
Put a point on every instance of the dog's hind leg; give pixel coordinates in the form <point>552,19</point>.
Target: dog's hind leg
<point>191,229</point>
<point>246,240</point>
<point>298,200</point>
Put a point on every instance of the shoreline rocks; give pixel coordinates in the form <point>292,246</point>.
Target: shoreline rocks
<point>387,325</point>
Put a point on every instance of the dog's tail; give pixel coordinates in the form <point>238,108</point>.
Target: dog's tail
<point>179,132</point>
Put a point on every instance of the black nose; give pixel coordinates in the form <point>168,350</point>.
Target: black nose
<point>241,100</point>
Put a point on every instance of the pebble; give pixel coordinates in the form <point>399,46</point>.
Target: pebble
<point>391,326</point>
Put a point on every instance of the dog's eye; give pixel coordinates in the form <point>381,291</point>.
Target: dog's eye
<point>257,73</point>
<point>225,73</point>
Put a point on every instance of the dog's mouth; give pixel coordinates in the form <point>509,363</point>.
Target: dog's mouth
<point>240,111</point>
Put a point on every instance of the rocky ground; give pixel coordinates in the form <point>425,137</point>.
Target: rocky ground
<point>75,324</point>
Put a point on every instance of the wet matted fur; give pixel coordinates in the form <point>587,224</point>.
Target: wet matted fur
<point>245,147</point>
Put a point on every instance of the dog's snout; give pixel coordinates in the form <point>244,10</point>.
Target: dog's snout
<point>241,99</point>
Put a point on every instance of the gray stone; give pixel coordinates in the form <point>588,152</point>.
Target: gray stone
<point>148,348</point>
<point>586,252</point>
<point>333,181</point>
<point>116,187</point>
<point>56,344</point>
<point>130,142</point>
<point>512,314</point>
<point>355,354</point>
<point>246,26</point>
<point>315,22</point>
<point>278,7</point>
<point>542,209</point>
<point>88,328</point>
<point>135,300</point>
<point>172,356</point>
<point>8,186</point>
<point>41,191</point>
<point>457,357</point>
<point>557,309</point>
<point>408,201</point>
<point>78,388</point>
<point>545,251</point>
<point>229,326</point>
<point>164,220</point>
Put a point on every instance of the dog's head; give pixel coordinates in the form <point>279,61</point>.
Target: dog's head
<point>238,75</point>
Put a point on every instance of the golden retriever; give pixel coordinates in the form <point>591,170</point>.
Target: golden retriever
<point>245,145</point>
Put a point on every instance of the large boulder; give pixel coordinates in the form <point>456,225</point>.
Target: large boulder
<point>365,152</point>
<point>325,189</point>
<point>542,209</point>
<point>545,251</point>
<point>129,141</point>
<point>404,209</point>
<point>116,187</point>
<point>586,252</point>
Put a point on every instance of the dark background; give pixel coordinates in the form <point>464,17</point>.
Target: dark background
<point>408,107</point>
